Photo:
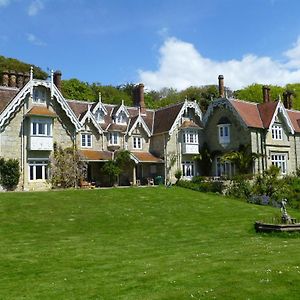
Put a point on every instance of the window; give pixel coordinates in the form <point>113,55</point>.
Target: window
<point>99,115</point>
<point>276,132</point>
<point>188,169</point>
<point>38,170</point>
<point>279,160</point>
<point>224,134</point>
<point>41,127</point>
<point>114,138</point>
<point>39,95</point>
<point>190,136</point>
<point>137,142</point>
<point>121,118</point>
<point>226,168</point>
<point>86,140</point>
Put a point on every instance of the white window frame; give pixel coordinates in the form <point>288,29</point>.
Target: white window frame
<point>224,134</point>
<point>188,169</point>
<point>41,127</point>
<point>32,167</point>
<point>114,138</point>
<point>86,140</point>
<point>280,160</point>
<point>277,132</point>
<point>190,136</point>
<point>39,96</point>
<point>137,142</point>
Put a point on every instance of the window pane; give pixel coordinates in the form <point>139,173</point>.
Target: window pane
<point>41,128</point>
<point>34,125</point>
<point>31,172</point>
<point>39,172</point>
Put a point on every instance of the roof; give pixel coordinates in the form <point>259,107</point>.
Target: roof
<point>78,107</point>
<point>165,117</point>
<point>266,111</point>
<point>249,112</point>
<point>40,111</point>
<point>91,155</point>
<point>6,95</point>
<point>294,116</point>
<point>143,156</point>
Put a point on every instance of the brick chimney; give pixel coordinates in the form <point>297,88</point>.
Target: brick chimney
<point>266,93</point>
<point>288,99</point>
<point>20,80</point>
<point>12,79</point>
<point>57,79</point>
<point>138,97</point>
<point>221,86</point>
<point>5,78</point>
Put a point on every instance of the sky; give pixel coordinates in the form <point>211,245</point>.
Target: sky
<point>162,43</point>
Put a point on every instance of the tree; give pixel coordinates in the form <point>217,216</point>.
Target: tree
<point>67,168</point>
<point>243,159</point>
<point>114,168</point>
<point>253,93</point>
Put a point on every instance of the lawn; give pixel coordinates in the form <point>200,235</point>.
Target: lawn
<point>142,243</point>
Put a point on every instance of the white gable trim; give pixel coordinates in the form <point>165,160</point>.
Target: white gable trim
<point>88,116</point>
<point>140,121</point>
<point>187,104</point>
<point>227,104</point>
<point>281,109</point>
<point>100,106</point>
<point>134,158</point>
<point>122,108</point>
<point>28,88</point>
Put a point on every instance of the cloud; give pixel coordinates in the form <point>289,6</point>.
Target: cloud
<point>34,40</point>
<point>34,7</point>
<point>4,2</point>
<point>181,65</point>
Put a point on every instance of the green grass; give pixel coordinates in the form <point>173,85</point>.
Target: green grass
<point>146,243</point>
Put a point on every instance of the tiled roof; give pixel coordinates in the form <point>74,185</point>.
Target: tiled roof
<point>249,112</point>
<point>146,157</point>
<point>116,127</point>
<point>92,155</point>
<point>78,107</point>
<point>294,116</point>
<point>165,117</point>
<point>40,111</point>
<point>6,95</point>
<point>266,111</point>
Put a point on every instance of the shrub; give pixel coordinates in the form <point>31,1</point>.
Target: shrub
<point>178,174</point>
<point>205,186</point>
<point>10,173</point>
<point>240,187</point>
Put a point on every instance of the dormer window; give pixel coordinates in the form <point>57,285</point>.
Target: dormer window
<point>277,132</point>
<point>121,119</point>
<point>39,95</point>
<point>99,115</point>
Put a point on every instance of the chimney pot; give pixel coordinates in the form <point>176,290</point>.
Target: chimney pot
<point>20,80</point>
<point>57,79</point>
<point>221,86</point>
<point>5,78</point>
<point>266,93</point>
<point>12,78</point>
<point>26,77</point>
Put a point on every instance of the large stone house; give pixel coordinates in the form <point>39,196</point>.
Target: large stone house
<point>35,118</point>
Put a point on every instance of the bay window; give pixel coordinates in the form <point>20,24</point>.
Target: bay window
<point>279,160</point>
